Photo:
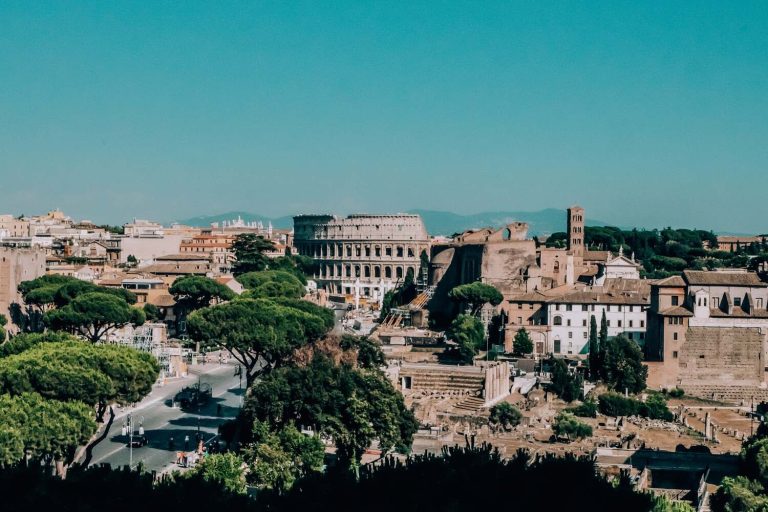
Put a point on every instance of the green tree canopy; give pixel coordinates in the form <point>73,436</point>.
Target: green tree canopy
<point>227,470</point>
<point>45,428</point>
<point>75,370</point>
<point>3,322</point>
<point>271,284</point>
<point>623,365</point>
<point>468,332</point>
<point>505,415</point>
<point>522,344</point>
<point>354,406</point>
<point>277,459</point>
<point>195,292</point>
<point>93,315</point>
<point>326,314</point>
<point>369,353</point>
<point>567,425</point>
<point>151,312</point>
<point>25,341</point>
<point>259,333</point>
<point>249,252</point>
<point>476,295</point>
<point>565,384</point>
<point>300,266</point>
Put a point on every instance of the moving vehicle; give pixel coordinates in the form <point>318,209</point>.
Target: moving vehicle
<point>138,441</point>
<point>194,396</point>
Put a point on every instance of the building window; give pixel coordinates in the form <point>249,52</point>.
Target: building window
<point>670,320</point>
<point>715,302</point>
<point>558,320</point>
<point>642,323</point>
<point>585,334</point>
<point>584,322</point>
<point>568,322</point>
<point>388,252</point>
<point>519,320</point>
<point>607,323</point>
<point>557,346</point>
<point>631,322</point>
<point>619,323</point>
<point>737,301</point>
<point>675,300</point>
<point>674,354</point>
<point>584,307</point>
<point>399,252</point>
<point>674,336</point>
<point>410,252</point>
<point>367,251</point>
<point>520,305</point>
<point>568,307</point>
<point>570,334</point>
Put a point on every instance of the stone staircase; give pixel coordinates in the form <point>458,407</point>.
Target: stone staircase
<point>469,405</point>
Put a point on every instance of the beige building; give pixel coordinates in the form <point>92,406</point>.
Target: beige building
<point>707,331</point>
<point>361,257</point>
<point>12,227</point>
<point>17,265</point>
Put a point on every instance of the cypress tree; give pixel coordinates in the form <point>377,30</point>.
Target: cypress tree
<point>594,350</point>
<point>602,344</point>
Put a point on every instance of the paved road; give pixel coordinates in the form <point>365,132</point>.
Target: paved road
<point>162,421</point>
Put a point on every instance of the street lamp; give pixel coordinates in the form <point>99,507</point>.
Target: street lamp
<point>128,429</point>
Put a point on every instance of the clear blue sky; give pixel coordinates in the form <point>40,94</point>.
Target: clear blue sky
<point>645,113</point>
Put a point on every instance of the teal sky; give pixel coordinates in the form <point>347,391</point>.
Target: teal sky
<point>645,113</point>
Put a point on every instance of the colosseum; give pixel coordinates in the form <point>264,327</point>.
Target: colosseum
<point>361,257</point>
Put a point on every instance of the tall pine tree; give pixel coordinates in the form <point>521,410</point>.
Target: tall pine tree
<point>602,344</point>
<point>594,350</point>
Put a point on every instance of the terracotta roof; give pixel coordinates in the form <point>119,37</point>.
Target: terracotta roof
<point>714,278</point>
<point>181,268</point>
<point>534,296</point>
<point>183,257</point>
<point>615,291</point>
<point>738,312</point>
<point>597,255</point>
<point>670,281</point>
<point>676,311</point>
<point>163,301</point>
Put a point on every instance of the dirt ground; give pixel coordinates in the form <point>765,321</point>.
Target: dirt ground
<point>730,425</point>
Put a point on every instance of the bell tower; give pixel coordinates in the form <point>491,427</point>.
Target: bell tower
<point>576,230</point>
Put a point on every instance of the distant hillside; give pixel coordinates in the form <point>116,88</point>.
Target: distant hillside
<point>206,220</point>
<point>543,222</point>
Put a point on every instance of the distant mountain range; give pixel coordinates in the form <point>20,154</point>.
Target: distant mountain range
<point>543,222</point>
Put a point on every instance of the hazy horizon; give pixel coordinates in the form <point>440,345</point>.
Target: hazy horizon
<point>647,115</point>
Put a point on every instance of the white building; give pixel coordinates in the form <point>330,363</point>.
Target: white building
<point>624,302</point>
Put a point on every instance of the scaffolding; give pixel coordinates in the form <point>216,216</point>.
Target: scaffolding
<point>143,339</point>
